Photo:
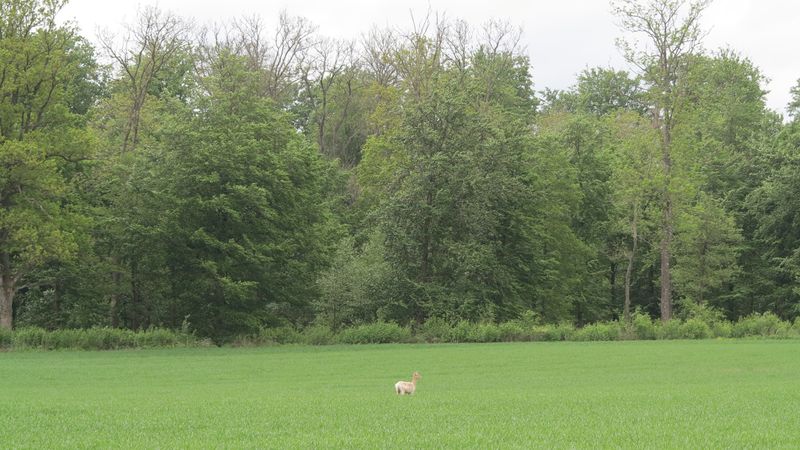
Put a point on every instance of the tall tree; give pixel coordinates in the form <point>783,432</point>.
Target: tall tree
<point>249,228</point>
<point>42,68</point>
<point>150,45</point>
<point>672,34</point>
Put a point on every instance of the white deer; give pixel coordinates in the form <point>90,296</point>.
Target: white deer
<point>407,387</point>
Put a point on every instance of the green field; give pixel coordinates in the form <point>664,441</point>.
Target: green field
<point>666,394</point>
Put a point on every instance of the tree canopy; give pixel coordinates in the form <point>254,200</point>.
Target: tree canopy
<point>246,175</point>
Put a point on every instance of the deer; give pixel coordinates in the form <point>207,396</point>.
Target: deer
<point>407,387</point>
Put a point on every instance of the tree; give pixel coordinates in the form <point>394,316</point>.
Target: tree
<point>40,136</point>
<point>793,108</point>
<point>673,34</point>
<point>149,46</point>
<point>635,163</point>
<point>248,229</point>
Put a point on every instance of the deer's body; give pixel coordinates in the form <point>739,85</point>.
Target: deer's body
<point>407,387</point>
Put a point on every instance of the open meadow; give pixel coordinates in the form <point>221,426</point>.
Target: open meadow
<point>644,394</point>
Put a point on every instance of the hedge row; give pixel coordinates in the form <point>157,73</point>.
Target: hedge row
<point>94,339</point>
<point>641,327</point>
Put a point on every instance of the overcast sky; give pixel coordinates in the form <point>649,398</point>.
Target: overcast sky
<point>562,36</point>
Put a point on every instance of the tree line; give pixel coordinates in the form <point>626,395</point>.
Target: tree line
<point>247,175</point>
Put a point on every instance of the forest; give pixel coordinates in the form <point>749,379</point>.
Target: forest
<point>230,177</point>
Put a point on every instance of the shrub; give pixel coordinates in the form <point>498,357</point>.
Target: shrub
<point>158,337</point>
<point>485,332</point>
<point>513,332</point>
<point>722,329</point>
<point>643,326</point>
<point>461,332</point>
<point>317,335</point>
<point>670,329</point>
<point>279,335</point>
<point>601,331</point>
<point>30,337</point>
<point>695,328</point>
<point>763,325</point>
<point>6,338</point>
<point>554,332</point>
<point>435,329</point>
<point>375,333</point>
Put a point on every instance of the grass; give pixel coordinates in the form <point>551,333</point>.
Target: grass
<point>643,394</point>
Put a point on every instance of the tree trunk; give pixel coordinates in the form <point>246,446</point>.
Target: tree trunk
<point>116,280</point>
<point>666,225</point>
<point>8,288</point>
<point>629,270</point>
<point>7,292</point>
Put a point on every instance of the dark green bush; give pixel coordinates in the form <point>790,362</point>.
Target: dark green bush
<point>375,333</point>
<point>6,338</point>
<point>279,335</point>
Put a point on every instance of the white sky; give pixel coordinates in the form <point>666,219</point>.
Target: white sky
<point>562,36</point>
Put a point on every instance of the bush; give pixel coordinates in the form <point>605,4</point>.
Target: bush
<point>513,332</point>
<point>695,329</point>
<point>671,329</point>
<point>279,335</point>
<point>6,338</point>
<point>317,335</point>
<point>722,329</point>
<point>601,331</point>
<point>434,330</point>
<point>552,332</point>
<point>375,333</point>
<point>643,326</point>
<point>461,332</point>
<point>30,337</point>
<point>485,332</point>
<point>763,325</point>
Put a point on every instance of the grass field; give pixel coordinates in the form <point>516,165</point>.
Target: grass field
<point>666,394</point>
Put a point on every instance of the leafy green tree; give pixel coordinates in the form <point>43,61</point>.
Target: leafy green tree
<point>248,229</point>
<point>41,140</point>
<point>706,250</point>
<point>635,160</point>
<point>672,32</point>
<point>793,108</point>
<point>352,289</point>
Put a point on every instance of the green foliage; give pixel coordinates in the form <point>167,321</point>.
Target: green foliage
<point>643,326</point>
<point>45,68</point>
<point>318,335</point>
<point>761,325</point>
<point>608,331</point>
<point>97,339</point>
<point>375,333</point>
<point>425,186</point>
<point>352,288</point>
<point>695,329</point>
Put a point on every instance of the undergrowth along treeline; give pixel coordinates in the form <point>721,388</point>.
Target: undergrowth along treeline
<point>96,339</point>
<point>527,329</point>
